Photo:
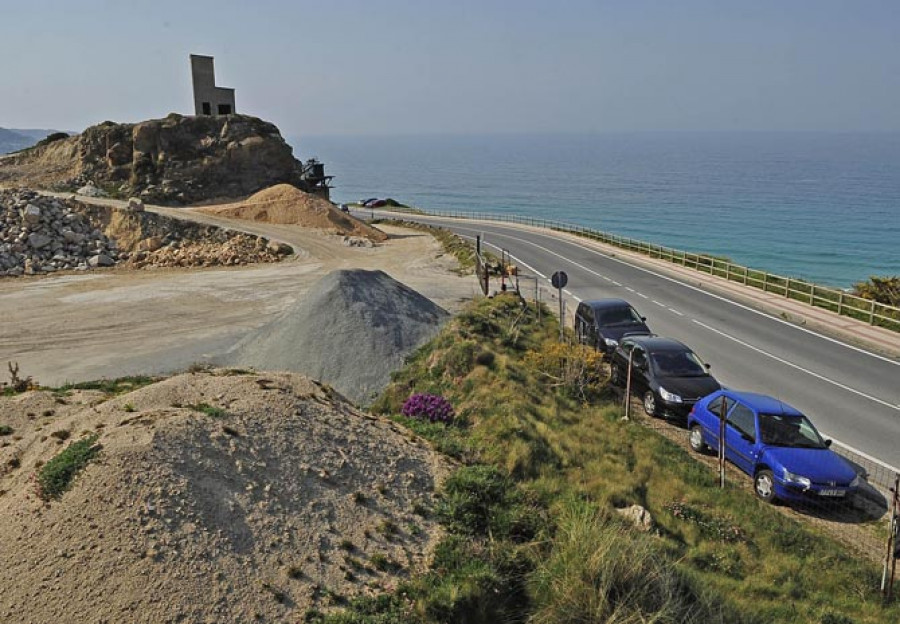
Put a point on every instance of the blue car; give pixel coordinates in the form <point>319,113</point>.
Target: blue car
<point>776,445</point>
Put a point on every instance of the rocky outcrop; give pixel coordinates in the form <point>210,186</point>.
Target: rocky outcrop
<point>176,160</point>
<point>40,234</point>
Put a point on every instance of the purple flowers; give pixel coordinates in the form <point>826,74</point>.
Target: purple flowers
<point>431,406</point>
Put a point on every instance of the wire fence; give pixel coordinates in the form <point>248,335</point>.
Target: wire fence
<point>810,293</point>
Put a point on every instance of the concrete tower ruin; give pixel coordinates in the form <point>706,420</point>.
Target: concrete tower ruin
<point>208,98</point>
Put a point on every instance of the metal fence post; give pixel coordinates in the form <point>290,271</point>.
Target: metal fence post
<point>872,313</point>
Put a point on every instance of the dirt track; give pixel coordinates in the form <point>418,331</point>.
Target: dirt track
<point>117,322</point>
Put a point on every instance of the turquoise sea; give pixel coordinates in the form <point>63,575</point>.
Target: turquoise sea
<point>824,207</point>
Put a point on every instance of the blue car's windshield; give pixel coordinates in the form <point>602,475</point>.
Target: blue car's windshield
<point>677,364</point>
<point>784,430</point>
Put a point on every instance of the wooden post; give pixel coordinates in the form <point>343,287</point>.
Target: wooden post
<point>840,303</point>
<point>872,313</point>
<point>628,386</point>
<point>887,583</point>
<point>722,413</point>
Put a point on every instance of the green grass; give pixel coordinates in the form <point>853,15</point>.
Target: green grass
<point>209,410</point>
<point>6,430</point>
<point>111,387</point>
<point>56,475</point>
<point>531,528</point>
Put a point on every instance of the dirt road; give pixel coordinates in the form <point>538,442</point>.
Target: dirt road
<point>111,323</point>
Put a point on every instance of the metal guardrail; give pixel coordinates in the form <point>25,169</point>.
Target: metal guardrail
<point>816,295</point>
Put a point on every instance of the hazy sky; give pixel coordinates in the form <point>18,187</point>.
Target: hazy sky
<point>424,66</point>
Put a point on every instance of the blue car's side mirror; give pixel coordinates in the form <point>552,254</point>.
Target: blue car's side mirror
<point>828,443</point>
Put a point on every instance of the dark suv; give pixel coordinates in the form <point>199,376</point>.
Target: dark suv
<point>602,323</point>
<point>667,373</point>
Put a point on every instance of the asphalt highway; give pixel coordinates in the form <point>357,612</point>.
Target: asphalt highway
<point>850,394</point>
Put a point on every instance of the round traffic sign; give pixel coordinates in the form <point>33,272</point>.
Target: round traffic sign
<point>559,279</point>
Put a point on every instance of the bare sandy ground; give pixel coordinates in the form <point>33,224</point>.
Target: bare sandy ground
<point>117,322</point>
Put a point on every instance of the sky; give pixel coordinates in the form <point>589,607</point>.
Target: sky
<point>371,67</point>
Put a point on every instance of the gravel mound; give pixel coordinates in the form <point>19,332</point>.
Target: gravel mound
<point>350,330</point>
<point>286,204</point>
<point>215,497</point>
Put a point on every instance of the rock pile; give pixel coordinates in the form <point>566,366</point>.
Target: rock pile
<point>218,248</point>
<point>42,235</point>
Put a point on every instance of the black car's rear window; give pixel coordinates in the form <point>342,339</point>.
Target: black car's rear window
<point>619,316</point>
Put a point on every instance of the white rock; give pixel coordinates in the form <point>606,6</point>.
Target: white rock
<point>32,214</point>
<point>100,260</point>
<point>135,204</point>
<point>89,190</point>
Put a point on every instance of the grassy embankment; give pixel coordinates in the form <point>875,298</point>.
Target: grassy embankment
<point>532,531</point>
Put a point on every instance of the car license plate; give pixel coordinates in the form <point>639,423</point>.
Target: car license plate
<point>832,492</point>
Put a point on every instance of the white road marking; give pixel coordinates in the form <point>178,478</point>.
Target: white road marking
<point>642,295</point>
<point>673,310</point>
<point>797,366</point>
<point>659,303</point>
<point>629,289</point>
<point>608,279</point>
<point>615,282</point>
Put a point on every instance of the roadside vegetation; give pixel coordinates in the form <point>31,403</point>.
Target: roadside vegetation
<point>884,290</point>
<point>54,477</point>
<point>533,529</point>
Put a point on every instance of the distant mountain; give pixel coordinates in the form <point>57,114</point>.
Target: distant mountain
<point>15,139</point>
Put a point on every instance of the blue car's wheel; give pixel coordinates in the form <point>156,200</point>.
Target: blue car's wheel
<point>697,443</point>
<point>764,485</point>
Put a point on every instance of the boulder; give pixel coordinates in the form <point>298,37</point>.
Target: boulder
<point>638,516</point>
<point>100,260</point>
<point>38,241</point>
<point>135,204</point>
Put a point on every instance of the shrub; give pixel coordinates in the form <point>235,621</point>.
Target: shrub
<point>209,410</point>
<point>429,407</point>
<point>574,369</point>
<point>5,430</point>
<point>56,475</point>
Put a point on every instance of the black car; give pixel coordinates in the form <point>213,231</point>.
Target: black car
<point>603,322</point>
<point>667,373</point>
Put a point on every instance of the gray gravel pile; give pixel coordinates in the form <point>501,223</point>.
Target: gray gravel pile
<point>42,235</point>
<point>350,331</point>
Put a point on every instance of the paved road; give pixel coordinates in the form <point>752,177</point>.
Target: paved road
<point>851,394</point>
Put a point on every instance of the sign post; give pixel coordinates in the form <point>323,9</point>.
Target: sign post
<point>559,281</point>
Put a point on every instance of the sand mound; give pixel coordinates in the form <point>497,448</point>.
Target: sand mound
<point>350,330</point>
<point>288,205</point>
<point>275,505</point>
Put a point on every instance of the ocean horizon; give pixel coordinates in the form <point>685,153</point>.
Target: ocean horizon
<point>819,206</point>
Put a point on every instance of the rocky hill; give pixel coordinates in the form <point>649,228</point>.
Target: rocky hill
<point>176,160</point>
